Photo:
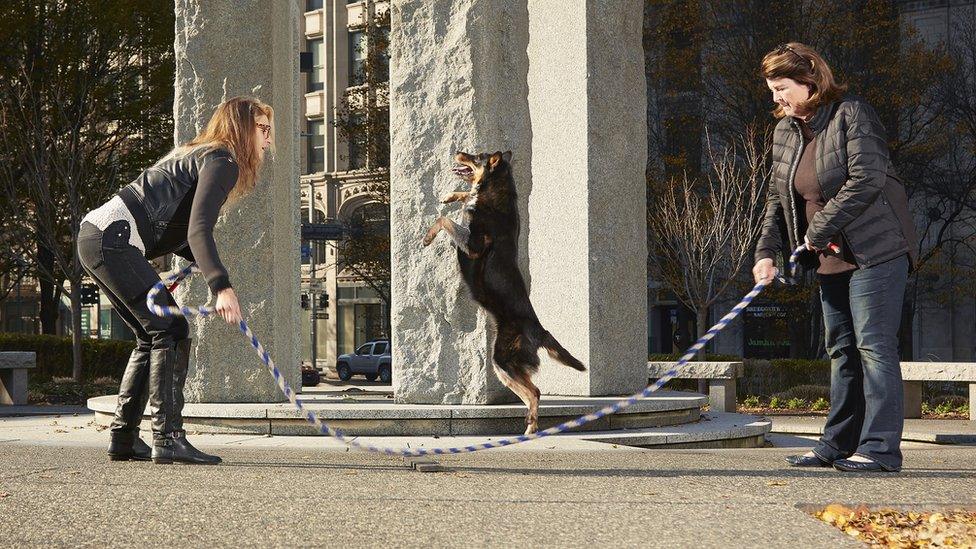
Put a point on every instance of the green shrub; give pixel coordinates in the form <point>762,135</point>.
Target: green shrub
<point>100,357</point>
<point>775,402</point>
<point>951,404</point>
<point>821,404</point>
<point>796,404</point>
<point>64,391</point>
<point>752,401</point>
<point>766,378</point>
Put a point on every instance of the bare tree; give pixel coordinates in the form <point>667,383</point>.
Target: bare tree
<point>78,88</point>
<point>703,229</point>
<point>703,62</point>
<point>945,195</point>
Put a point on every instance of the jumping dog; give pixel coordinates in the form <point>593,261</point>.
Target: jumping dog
<point>487,244</point>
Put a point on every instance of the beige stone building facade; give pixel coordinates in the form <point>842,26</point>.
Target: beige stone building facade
<point>336,179</point>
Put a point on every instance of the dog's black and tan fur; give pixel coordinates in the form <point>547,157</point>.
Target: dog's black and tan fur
<point>487,242</point>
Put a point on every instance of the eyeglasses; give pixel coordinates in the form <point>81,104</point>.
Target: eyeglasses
<point>783,48</point>
<point>265,129</point>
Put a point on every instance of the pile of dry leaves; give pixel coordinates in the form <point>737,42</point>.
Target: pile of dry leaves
<point>900,528</point>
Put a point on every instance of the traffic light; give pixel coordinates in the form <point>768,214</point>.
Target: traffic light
<point>89,294</point>
<point>305,303</point>
<point>323,301</point>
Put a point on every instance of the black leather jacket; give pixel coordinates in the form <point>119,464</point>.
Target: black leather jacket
<point>175,204</point>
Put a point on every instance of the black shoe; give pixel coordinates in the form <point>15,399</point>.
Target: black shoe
<point>806,461</point>
<point>861,467</point>
<point>140,450</point>
<point>179,450</point>
<point>128,446</point>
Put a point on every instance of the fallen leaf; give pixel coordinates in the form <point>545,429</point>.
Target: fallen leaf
<point>5,494</point>
<point>895,528</point>
<point>777,483</point>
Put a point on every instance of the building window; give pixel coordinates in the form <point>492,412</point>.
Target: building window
<point>316,79</point>
<point>357,142</point>
<point>357,57</point>
<point>321,248</point>
<point>311,5</point>
<point>360,317</point>
<point>383,44</point>
<point>316,146</point>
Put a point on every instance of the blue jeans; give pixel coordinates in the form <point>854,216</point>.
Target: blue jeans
<point>862,313</point>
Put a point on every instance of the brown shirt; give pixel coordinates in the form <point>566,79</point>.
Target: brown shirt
<point>807,191</point>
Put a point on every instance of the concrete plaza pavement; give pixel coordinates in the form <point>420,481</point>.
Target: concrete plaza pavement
<point>57,488</point>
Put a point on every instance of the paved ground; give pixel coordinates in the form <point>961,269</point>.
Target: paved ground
<point>57,488</point>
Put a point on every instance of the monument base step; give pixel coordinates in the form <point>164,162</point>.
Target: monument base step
<point>369,417</point>
<point>668,419</point>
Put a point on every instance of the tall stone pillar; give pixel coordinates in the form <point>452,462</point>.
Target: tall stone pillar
<point>457,82</point>
<point>226,48</point>
<point>587,212</point>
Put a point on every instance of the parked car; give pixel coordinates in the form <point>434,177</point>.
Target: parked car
<point>371,360</point>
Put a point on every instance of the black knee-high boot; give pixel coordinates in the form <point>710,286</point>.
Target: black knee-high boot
<point>133,392</point>
<point>169,439</point>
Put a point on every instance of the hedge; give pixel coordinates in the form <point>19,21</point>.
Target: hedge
<point>765,378</point>
<point>99,357</point>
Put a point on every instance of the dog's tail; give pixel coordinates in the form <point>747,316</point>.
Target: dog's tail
<point>559,353</point>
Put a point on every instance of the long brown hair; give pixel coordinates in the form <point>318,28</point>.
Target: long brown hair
<point>232,127</point>
<point>802,63</point>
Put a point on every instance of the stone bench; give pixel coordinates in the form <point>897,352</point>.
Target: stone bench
<point>721,377</point>
<point>914,373</point>
<point>13,376</point>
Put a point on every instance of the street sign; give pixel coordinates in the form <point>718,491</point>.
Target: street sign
<point>322,231</point>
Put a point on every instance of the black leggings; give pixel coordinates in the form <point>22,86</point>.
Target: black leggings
<point>125,277</point>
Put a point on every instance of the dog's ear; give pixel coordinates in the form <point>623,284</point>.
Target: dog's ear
<point>493,161</point>
<point>507,157</point>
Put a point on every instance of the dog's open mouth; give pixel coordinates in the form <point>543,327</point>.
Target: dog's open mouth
<point>462,171</point>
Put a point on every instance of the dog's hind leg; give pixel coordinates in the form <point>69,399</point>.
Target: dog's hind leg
<point>532,419</point>
<point>530,399</point>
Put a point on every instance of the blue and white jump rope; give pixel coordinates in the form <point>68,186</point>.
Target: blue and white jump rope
<point>174,279</point>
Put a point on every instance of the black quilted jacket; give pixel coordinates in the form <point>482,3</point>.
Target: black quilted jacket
<point>866,204</point>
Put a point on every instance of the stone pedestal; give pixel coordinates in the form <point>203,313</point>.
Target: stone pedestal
<point>587,210</point>
<point>561,84</point>
<point>457,82</point>
<point>226,48</point>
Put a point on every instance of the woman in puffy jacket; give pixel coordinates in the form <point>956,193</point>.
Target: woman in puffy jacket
<point>835,192</point>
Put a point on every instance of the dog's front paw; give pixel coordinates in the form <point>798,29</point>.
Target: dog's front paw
<point>532,428</point>
<point>448,198</point>
<point>429,237</point>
